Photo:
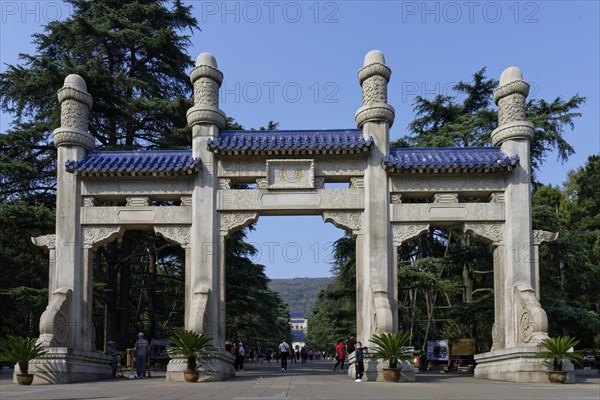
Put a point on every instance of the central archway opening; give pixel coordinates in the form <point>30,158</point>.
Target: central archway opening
<point>294,255</point>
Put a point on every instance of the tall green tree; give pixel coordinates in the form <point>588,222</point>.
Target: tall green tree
<point>133,56</point>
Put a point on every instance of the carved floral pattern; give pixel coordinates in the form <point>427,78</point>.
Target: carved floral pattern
<point>350,221</point>
<point>47,241</point>
<point>179,234</point>
<point>488,232</point>
<point>231,221</point>
<point>403,232</point>
<point>96,236</point>
<point>511,108</point>
<point>532,319</point>
<point>497,337</point>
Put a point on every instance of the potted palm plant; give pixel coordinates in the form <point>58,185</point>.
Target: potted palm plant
<point>557,350</point>
<point>390,347</point>
<point>192,346</point>
<point>21,350</point>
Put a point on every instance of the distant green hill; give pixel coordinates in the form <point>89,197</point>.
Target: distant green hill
<point>300,294</point>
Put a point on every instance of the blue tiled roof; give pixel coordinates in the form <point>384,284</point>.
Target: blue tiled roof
<point>290,142</point>
<point>135,163</point>
<point>297,336</point>
<point>448,159</point>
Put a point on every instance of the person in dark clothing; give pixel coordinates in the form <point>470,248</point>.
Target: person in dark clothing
<point>111,350</point>
<point>350,344</point>
<point>359,366</point>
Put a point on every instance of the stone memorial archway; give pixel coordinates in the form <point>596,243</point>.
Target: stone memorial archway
<point>289,170</point>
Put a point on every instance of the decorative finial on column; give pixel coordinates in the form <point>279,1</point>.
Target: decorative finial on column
<point>510,97</point>
<point>207,80</point>
<point>75,105</point>
<point>374,77</point>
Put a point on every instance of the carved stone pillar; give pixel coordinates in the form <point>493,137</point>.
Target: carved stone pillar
<point>203,280</point>
<point>49,242</point>
<point>540,237</point>
<point>374,247</point>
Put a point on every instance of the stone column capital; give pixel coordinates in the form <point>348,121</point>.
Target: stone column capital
<point>207,80</point>
<point>510,97</point>
<point>373,78</point>
<point>75,105</point>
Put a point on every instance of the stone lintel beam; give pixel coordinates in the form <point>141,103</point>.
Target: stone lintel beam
<point>167,215</point>
<point>290,200</point>
<point>447,212</point>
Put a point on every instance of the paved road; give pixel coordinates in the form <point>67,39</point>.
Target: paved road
<point>313,381</point>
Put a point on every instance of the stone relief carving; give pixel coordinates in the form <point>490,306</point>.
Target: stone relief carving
<point>496,197</point>
<point>225,183</point>
<point>241,199</point>
<point>350,221</point>
<point>445,198</point>
<point>374,90</point>
<point>497,337</point>
<point>512,130</point>
<point>511,108</point>
<point>47,241</point>
<point>540,237</point>
<point>74,114</point>
<point>346,198</point>
<point>231,221</point>
<point>531,317</point>
<point>206,91</point>
<point>403,232</point>
<point>262,183</point>
<point>179,234</point>
<point>198,317</point>
<point>396,198</point>
<point>96,236</point>
<point>186,201</point>
<point>54,329</point>
<point>89,201</point>
<point>138,201</point>
<point>446,182</point>
<point>382,317</point>
<point>493,233</point>
<point>291,174</point>
<point>357,183</point>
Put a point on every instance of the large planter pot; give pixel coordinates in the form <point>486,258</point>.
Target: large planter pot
<point>24,379</point>
<point>557,376</point>
<point>391,374</point>
<point>191,376</point>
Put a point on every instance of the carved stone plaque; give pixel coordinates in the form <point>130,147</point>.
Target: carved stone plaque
<point>291,174</point>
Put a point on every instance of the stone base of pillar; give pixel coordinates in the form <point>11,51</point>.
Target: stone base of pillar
<point>63,365</point>
<point>216,368</point>
<point>374,370</point>
<point>518,364</point>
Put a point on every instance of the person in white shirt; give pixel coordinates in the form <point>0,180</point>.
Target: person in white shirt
<point>284,351</point>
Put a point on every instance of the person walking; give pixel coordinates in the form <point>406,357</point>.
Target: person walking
<point>140,350</point>
<point>359,366</point>
<point>241,355</point>
<point>284,352</point>
<point>340,356</point>
<point>111,350</point>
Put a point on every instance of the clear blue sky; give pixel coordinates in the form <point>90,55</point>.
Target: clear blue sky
<point>295,62</point>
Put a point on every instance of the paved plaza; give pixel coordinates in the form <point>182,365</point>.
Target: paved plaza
<point>312,381</point>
